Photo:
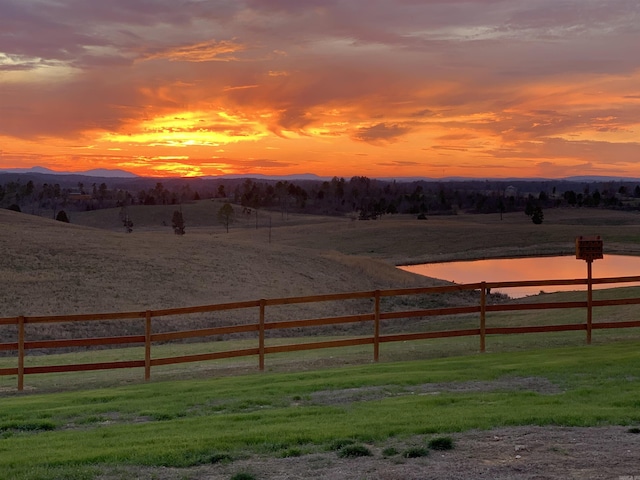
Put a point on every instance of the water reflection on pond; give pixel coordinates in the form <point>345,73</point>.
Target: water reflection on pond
<point>538,268</point>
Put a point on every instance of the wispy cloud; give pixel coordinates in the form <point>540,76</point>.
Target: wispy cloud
<point>209,51</point>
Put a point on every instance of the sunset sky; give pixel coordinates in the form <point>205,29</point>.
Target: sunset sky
<point>380,88</point>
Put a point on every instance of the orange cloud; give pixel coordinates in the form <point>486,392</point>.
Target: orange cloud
<point>210,51</point>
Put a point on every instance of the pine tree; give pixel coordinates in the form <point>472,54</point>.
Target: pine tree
<point>178,222</point>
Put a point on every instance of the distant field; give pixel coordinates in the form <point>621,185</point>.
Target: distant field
<point>401,238</point>
<point>92,265</point>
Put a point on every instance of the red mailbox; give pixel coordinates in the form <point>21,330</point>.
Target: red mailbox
<point>589,248</point>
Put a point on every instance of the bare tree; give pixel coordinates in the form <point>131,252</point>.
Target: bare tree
<point>126,221</point>
<point>226,215</point>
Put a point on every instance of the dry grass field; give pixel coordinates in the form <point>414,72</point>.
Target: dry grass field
<point>56,268</point>
<point>92,265</point>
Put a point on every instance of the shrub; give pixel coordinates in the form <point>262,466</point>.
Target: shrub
<point>538,216</point>
<point>340,443</point>
<point>352,451</point>
<point>415,452</point>
<point>62,216</point>
<point>221,458</point>
<point>291,452</point>
<point>41,426</point>
<point>390,451</point>
<point>273,447</point>
<point>441,443</point>
<point>243,476</point>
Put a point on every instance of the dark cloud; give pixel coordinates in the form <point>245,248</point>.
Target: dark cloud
<point>27,31</point>
<point>381,133</point>
<point>573,17</point>
<point>607,154</point>
<point>68,108</point>
<point>70,30</point>
<point>456,137</point>
<point>290,6</point>
<point>422,113</point>
<point>399,163</point>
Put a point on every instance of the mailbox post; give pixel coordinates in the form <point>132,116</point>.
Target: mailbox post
<point>589,249</point>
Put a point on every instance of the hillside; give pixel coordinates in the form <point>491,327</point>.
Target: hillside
<point>57,268</point>
<point>54,268</point>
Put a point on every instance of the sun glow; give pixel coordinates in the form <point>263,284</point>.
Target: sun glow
<point>187,129</point>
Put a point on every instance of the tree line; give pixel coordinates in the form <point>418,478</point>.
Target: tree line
<point>360,196</point>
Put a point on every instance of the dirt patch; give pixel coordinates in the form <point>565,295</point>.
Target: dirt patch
<point>526,453</point>
<point>506,384</point>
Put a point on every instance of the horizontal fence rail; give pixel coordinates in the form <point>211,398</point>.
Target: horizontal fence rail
<point>376,316</point>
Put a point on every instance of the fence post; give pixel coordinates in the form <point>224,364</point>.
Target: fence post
<point>376,328</point>
<point>147,346</point>
<point>20,353</point>
<point>589,302</point>
<point>261,336</point>
<point>483,316</point>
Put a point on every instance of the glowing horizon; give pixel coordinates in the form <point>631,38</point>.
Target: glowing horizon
<point>386,89</point>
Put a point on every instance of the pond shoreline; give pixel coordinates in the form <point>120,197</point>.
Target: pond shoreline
<point>530,268</point>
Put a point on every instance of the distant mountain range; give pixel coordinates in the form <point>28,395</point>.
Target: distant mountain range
<point>96,172</point>
<point>299,176</point>
<point>115,173</point>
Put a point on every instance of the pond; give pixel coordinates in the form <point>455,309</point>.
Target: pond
<point>538,268</point>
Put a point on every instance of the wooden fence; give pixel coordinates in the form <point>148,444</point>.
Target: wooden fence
<point>261,350</point>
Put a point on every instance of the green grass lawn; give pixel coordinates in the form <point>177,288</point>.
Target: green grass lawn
<point>78,434</point>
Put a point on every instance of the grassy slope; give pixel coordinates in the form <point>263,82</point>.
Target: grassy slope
<point>404,240</point>
<point>59,268</point>
<point>400,238</point>
<point>56,268</point>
